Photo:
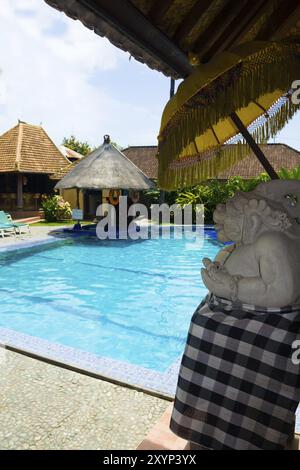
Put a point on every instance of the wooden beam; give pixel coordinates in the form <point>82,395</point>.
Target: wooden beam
<point>162,194</point>
<point>254,147</point>
<point>125,17</point>
<point>284,13</point>
<point>172,87</point>
<point>191,20</point>
<point>287,24</point>
<point>266,4</point>
<point>20,201</point>
<point>159,9</point>
<point>240,24</point>
<point>218,26</point>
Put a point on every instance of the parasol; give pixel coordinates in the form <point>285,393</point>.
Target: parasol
<point>244,93</point>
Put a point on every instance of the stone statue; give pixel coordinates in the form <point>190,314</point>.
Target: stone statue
<point>262,267</point>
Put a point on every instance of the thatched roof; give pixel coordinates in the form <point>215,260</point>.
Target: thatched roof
<point>279,155</point>
<point>28,149</point>
<point>164,33</point>
<point>105,168</point>
<point>61,172</point>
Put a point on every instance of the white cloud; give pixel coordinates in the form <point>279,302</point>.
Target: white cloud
<point>57,72</point>
<point>45,78</point>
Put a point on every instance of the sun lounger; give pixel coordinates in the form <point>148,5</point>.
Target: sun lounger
<point>6,219</point>
<point>7,228</point>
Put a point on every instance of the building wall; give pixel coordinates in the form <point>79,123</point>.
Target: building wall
<point>88,200</point>
<point>70,195</point>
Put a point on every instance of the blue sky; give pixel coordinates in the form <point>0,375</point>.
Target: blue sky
<point>56,72</point>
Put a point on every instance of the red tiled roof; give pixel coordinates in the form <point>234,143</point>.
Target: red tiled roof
<point>279,155</point>
<point>144,157</point>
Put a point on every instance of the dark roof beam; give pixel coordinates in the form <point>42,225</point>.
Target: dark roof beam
<point>191,19</point>
<point>159,10</point>
<point>122,15</point>
<point>287,24</point>
<point>240,24</point>
<point>252,20</point>
<point>217,28</point>
<point>285,14</point>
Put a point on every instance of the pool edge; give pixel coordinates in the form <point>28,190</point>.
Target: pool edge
<point>159,384</point>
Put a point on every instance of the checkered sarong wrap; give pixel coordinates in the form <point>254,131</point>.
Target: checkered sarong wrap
<point>238,387</point>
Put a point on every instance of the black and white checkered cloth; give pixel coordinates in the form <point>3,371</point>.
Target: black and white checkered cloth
<point>238,387</point>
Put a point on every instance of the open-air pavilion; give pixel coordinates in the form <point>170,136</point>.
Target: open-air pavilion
<point>171,35</point>
<point>28,158</point>
<point>186,40</point>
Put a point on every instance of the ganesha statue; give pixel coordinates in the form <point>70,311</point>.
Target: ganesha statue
<point>262,265</point>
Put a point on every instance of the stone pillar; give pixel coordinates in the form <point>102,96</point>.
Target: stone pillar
<point>20,202</point>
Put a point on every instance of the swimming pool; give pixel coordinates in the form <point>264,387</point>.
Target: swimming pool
<point>129,301</point>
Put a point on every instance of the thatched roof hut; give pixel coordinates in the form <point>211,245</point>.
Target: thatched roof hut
<point>105,168</point>
<point>28,159</point>
<point>27,148</point>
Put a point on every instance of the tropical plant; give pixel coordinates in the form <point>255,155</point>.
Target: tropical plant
<point>156,196</point>
<point>216,192</point>
<point>83,147</point>
<point>290,174</point>
<point>55,208</point>
<point>80,147</point>
<point>151,196</point>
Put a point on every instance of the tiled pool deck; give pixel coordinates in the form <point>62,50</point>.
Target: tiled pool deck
<point>38,234</point>
<point>48,407</point>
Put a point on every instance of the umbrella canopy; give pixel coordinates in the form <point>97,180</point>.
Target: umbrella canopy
<point>105,168</point>
<point>247,87</point>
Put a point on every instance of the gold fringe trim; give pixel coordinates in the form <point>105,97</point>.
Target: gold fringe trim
<point>218,162</point>
<point>265,72</point>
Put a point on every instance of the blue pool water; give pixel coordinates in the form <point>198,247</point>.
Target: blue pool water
<point>124,300</point>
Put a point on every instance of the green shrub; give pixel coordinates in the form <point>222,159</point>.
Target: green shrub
<point>153,196</point>
<point>55,208</point>
<point>290,174</point>
<point>217,192</point>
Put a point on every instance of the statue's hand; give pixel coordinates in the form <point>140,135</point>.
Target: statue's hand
<point>216,278</point>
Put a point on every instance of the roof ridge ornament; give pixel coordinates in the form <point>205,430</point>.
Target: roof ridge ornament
<point>106,138</point>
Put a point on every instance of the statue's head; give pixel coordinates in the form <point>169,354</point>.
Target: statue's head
<point>272,206</point>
